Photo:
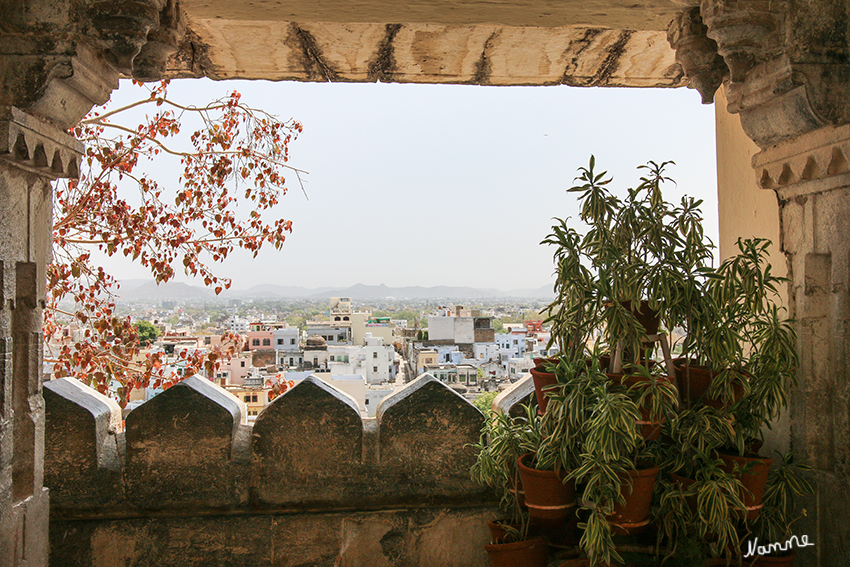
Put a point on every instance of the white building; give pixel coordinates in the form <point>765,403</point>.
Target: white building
<point>485,352</point>
<point>519,367</point>
<point>510,346</point>
<point>460,330</point>
<point>237,325</point>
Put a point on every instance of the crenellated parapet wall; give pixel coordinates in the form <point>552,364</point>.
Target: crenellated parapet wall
<point>311,483</point>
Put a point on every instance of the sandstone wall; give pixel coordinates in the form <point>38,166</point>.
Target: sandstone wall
<point>186,482</point>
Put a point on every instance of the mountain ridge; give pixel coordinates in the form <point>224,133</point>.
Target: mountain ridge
<point>179,290</point>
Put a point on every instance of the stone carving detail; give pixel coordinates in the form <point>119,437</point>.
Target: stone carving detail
<point>745,32</point>
<point>697,54</point>
<point>814,157</point>
<point>788,70</point>
<point>124,26</point>
<point>33,145</point>
<point>162,42</point>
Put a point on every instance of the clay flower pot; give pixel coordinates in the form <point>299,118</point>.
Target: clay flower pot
<point>649,319</point>
<point>754,481</point>
<point>542,380</point>
<point>633,516</point>
<point>498,533</point>
<point>649,428</point>
<point>693,381</point>
<point>547,497</point>
<point>528,553</point>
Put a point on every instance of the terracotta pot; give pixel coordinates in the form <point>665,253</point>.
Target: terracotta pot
<point>693,381</point>
<point>685,483</point>
<point>497,530</point>
<point>649,319</point>
<point>649,429</point>
<point>540,363</point>
<point>542,380</point>
<point>633,517</point>
<point>547,497</point>
<point>754,481</point>
<point>528,553</point>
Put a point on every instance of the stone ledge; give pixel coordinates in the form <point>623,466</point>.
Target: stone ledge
<point>426,537</point>
<point>821,156</point>
<point>508,402</point>
<point>36,146</point>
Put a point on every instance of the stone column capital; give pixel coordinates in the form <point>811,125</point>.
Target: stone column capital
<point>786,63</point>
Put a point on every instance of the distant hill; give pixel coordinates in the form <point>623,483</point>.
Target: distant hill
<point>273,291</point>
<point>141,289</point>
<point>170,290</point>
<point>362,291</point>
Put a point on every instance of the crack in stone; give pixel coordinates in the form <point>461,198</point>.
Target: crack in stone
<point>612,60</point>
<point>584,43</point>
<point>312,60</point>
<point>383,65</point>
<point>483,67</point>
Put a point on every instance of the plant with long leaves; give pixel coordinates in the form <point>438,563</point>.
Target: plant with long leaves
<point>750,341</point>
<point>785,484</point>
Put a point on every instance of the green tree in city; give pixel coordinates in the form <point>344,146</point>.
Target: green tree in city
<point>148,333</point>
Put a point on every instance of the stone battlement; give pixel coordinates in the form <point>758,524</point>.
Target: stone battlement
<point>310,483</point>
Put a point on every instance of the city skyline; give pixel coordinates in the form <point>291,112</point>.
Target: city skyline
<point>428,185</point>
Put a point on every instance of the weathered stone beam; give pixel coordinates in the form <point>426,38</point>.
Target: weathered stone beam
<point>429,53</point>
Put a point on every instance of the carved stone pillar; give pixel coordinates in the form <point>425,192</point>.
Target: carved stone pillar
<point>57,60</point>
<point>32,153</point>
<point>789,81</point>
<point>811,176</point>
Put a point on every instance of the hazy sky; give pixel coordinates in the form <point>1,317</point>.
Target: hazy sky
<point>451,185</point>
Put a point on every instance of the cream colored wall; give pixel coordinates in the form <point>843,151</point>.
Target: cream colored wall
<point>359,330</point>
<point>744,209</point>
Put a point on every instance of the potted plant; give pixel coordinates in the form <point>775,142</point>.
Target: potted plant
<point>544,468</point>
<point>642,265</point>
<point>697,497</point>
<point>755,347</point>
<point>498,450</point>
<point>773,532</point>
